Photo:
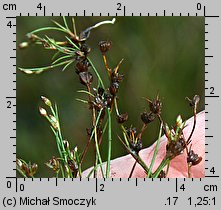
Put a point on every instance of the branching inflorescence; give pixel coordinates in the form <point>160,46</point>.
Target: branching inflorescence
<point>102,101</point>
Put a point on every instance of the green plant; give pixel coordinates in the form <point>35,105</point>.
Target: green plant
<point>102,100</point>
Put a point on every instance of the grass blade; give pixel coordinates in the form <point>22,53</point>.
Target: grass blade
<point>41,69</point>
<point>155,152</point>
<point>46,29</point>
<point>61,58</point>
<point>109,145</point>
<point>68,64</point>
<point>87,92</point>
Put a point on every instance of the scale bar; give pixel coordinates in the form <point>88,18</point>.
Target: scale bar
<point>212,16</point>
<point>211,96</point>
<point>11,97</point>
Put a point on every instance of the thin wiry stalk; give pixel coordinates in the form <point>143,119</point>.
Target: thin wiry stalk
<point>155,152</point>
<point>109,145</point>
<point>97,74</point>
<point>164,162</point>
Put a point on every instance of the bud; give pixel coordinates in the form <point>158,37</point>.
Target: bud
<point>32,37</point>
<point>122,118</point>
<point>76,149</point>
<point>66,144</point>
<point>53,164</point>
<point>27,71</point>
<point>179,121</point>
<point>105,46</point>
<point>19,163</point>
<point>194,101</point>
<point>43,112</point>
<point>23,45</point>
<point>54,122</point>
<point>46,101</point>
<point>167,131</point>
<point>34,168</point>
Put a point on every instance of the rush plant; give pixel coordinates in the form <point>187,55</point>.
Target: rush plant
<point>102,100</point>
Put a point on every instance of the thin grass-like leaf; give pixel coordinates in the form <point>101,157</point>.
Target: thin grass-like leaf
<point>65,23</point>
<point>85,91</point>
<point>68,64</point>
<point>41,69</point>
<point>59,25</point>
<point>64,50</point>
<point>46,29</point>
<point>61,58</point>
<point>80,100</point>
<point>109,144</point>
<point>55,55</point>
<point>97,74</point>
<point>155,152</point>
<point>74,27</point>
<point>72,43</point>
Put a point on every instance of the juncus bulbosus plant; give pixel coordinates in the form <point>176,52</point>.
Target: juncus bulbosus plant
<point>102,100</point>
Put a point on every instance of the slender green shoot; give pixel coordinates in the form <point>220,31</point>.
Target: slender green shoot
<point>155,152</point>
<point>109,145</point>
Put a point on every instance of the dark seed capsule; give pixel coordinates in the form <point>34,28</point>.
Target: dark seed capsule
<point>82,66</point>
<point>162,174</point>
<point>100,91</point>
<point>86,78</point>
<point>105,46</point>
<point>155,106</point>
<point>108,100</point>
<point>147,117</point>
<point>175,148</point>
<point>116,77</point>
<point>193,158</point>
<point>194,101</point>
<point>137,146</point>
<point>122,118</point>
<point>114,88</point>
<point>85,49</point>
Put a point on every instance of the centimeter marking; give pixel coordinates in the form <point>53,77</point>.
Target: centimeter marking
<point>211,94</point>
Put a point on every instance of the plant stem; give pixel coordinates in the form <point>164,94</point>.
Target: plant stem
<point>109,144</point>
<point>167,170</point>
<point>155,152</point>
<point>92,134</point>
<point>135,156</point>
<point>132,170</point>
<point>164,162</point>
<point>189,173</point>
<point>194,125</point>
<point>96,72</point>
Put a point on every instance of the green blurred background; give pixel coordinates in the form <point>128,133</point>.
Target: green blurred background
<point>161,54</point>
